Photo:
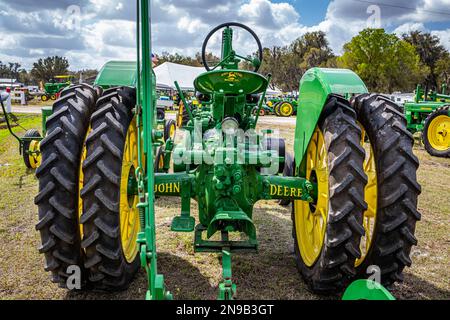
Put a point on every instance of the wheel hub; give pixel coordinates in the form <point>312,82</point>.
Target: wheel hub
<point>438,133</point>
<point>129,213</point>
<point>311,218</point>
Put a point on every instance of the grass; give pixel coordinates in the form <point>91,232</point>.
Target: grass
<point>271,274</point>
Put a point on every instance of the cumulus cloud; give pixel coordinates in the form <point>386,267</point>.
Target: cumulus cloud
<point>98,30</point>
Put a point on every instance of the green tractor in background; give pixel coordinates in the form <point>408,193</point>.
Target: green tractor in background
<point>54,87</point>
<point>430,114</point>
<point>97,183</point>
<point>286,107</point>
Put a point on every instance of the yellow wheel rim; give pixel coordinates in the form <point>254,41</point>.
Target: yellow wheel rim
<point>311,219</point>
<point>53,97</point>
<point>180,115</point>
<point>34,155</point>
<point>81,181</point>
<point>44,98</point>
<point>129,213</point>
<point>172,130</point>
<point>439,133</point>
<point>161,162</point>
<point>371,198</point>
<point>286,109</point>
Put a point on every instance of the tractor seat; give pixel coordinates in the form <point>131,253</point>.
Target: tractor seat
<point>230,82</point>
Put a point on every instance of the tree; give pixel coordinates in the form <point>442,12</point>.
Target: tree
<point>86,75</point>
<point>288,64</point>
<point>384,62</point>
<point>443,71</point>
<point>430,51</point>
<point>178,58</point>
<point>46,69</point>
<point>10,70</point>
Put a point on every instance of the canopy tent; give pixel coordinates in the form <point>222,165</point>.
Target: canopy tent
<point>168,72</point>
<point>273,91</point>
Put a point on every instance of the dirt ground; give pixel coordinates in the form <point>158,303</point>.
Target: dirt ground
<point>271,274</point>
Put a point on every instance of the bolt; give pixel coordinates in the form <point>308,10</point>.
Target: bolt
<point>220,171</point>
<point>219,185</point>
<point>237,189</point>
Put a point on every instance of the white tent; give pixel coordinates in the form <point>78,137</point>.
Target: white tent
<point>168,72</point>
<point>273,91</point>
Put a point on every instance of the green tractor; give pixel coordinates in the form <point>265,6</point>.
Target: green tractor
<point>285,107</point>
<point>54,87</point>
<point>430,114</point>
<point>97,183</point>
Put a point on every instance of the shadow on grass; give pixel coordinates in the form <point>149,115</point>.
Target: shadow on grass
<point>270,274</point>
<point>182,279</point>
<point>415,288</point>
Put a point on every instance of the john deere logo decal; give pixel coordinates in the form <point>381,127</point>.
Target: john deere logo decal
<point>231,76</point>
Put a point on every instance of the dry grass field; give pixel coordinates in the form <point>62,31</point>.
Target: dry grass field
<point>271,274</point>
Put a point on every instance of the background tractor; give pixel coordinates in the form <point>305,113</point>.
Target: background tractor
<point>286,107</point>
<point>430,115</point>
<point>54,87</point>
<point>29,143</point>
<point>353,184</point>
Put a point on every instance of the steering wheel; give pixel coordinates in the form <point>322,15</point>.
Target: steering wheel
<point>232,24</point>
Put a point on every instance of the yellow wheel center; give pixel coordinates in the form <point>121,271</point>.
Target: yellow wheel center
<point>439,133</point>
<point>180,115</point>
<point>172,131</point>
<point>129,213</point>
<point>370,196</point>
<point>34,155</point>
<point>311,218</point>
<point>286,109</point>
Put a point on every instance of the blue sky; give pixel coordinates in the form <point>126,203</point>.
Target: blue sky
<point>311,12</point>
<point>91,32</point>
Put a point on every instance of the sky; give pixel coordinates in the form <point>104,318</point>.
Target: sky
<point>91,32</point>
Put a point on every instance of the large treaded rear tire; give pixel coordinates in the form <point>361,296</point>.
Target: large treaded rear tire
<point>398,189</point>
<point>58,176</point>
<point>105,259</point>
<point>334,269</point>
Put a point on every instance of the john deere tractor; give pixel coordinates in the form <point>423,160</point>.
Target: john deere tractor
<point>54,87</point>
<point>430,114</point>
<point>285,107</point>
<point>353,187</point>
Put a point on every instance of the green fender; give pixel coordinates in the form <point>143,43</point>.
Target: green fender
<point>315,87</point>
<point>364,289</point>
<point>116,74</point>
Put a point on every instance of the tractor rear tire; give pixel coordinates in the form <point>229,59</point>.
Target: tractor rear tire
<point>441,114</point>
<point>182,116</point>
<point>109,266</point>
<point>160,113</point>
<point>286,109</point>
<point>170,129</point>
<point>58,176</point>
<point>159,160</point>
<point>31,162</point>
<point>276,109</point>
<point>397,187</point>
<point>329,267</point>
